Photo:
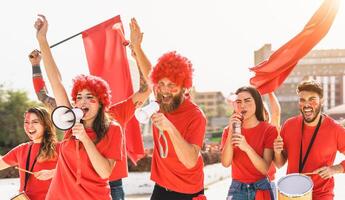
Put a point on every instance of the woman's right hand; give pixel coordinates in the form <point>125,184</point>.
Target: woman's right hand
<point>235,117</point>
<point>41,26</point>
<point>278,145</point>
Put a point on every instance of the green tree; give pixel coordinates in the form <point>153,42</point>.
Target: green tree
<point>13,104</point>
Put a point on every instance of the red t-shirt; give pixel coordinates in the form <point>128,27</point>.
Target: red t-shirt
<point>329,139</point>
<point>35,189</point>
<point>64,184</point>
<point>259,138</point>
<point>122,112</point>
<point>170,172</point>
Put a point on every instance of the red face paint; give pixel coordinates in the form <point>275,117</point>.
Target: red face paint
<point>313,103</point>
<point>93,101</point>
<point>174,90</point>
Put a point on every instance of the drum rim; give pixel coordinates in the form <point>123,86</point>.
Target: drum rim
<point>22,193</point>
<point>295,195</point>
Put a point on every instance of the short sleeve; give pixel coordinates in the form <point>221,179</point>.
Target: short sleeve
<point>340,138</point>
<point>111,144</point>
<point>224,137</point>
<point>11,158</point>
<point>196,131</point>
<point>122,111</point>
<point>283,131</point>
<point>271,134</point>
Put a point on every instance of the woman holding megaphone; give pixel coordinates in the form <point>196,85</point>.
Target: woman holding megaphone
<point>85,163</point>
<point>36,160</point>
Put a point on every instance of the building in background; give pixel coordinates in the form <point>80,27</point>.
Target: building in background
<point>326,66</point>
<point>215,108</point>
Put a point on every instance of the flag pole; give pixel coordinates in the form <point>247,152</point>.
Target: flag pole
<point>62,41</point>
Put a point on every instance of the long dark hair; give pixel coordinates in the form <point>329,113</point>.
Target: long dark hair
<point>48,145</point>
<point>101,124</point>
<point>257,99</point>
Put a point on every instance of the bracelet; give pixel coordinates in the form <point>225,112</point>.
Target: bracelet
<point>36,69</point>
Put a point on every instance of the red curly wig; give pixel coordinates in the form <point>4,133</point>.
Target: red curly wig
<point>96,85</point>
<point>175,67</point>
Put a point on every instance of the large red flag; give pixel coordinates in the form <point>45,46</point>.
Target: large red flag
<point>270,74</point>
<point>107,58</point>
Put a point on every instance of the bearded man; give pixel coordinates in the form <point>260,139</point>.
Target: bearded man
<point>309,142</point>
<point>178,132</point>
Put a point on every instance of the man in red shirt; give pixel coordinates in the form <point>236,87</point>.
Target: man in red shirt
<point>178,132</point>
<point>309,142</point>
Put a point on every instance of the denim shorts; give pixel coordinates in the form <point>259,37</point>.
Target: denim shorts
<point>116,190</point>
<point>242,191</point>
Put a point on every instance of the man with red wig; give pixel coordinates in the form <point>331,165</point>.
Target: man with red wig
<point>178,132</point>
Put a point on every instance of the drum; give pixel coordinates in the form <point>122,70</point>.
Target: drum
<point>295,187</point>
<point>21,196</point>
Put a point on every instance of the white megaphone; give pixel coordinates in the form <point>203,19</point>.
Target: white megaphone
<point>64,118</point>
<point>144,114</point>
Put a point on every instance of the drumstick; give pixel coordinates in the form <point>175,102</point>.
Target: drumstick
<point>309,173</point>
<point>20,169</point>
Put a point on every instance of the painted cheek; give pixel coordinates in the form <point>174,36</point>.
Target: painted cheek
<point>173,90</point>
<point>93,101</point>
<point>313,104</point>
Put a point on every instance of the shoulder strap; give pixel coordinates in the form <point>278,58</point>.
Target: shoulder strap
<point>27,175</point>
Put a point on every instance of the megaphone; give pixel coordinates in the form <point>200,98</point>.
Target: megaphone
<point>64,118</point>
<point>144,114</point>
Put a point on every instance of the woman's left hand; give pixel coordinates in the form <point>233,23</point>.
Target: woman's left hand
<point>44,175</point>
<point>238,140</point>
<point>79,132</point>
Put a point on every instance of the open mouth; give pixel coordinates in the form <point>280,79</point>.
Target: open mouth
<point>308,112</point>
<point>32,132</point>
<point>243,112</point>
<point>85,110</point>
<point>166,98</point>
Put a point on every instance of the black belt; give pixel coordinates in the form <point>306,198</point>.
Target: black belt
<point>168,190</point>
<point>115,183</point>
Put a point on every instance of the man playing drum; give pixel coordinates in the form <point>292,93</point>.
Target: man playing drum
<point>310,141</point>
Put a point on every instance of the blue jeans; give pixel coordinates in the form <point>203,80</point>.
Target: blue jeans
<point>274,189</point>
<point>116,190</point>
<point>243,191</point>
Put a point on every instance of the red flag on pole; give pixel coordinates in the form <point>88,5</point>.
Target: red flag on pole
<point>270,74</point>
<point>106,55</point>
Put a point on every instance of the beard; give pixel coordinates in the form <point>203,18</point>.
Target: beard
<point>173,105</point>
<point>316,114</point>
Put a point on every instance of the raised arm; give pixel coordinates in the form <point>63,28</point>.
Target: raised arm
<point>276,110</point>
<point>143,64</point>
<point>38,82</point>
<point>53,73</point>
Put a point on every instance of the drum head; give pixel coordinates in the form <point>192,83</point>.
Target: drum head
<point>295,185</point>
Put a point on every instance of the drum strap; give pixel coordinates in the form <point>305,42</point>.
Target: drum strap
<point>302,163</point>
<point>27,175</point>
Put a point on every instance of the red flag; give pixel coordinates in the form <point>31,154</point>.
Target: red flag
<point>106,55</point>
<point>270,74</point>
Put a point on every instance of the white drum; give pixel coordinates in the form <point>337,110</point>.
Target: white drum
<point>295,187</point>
